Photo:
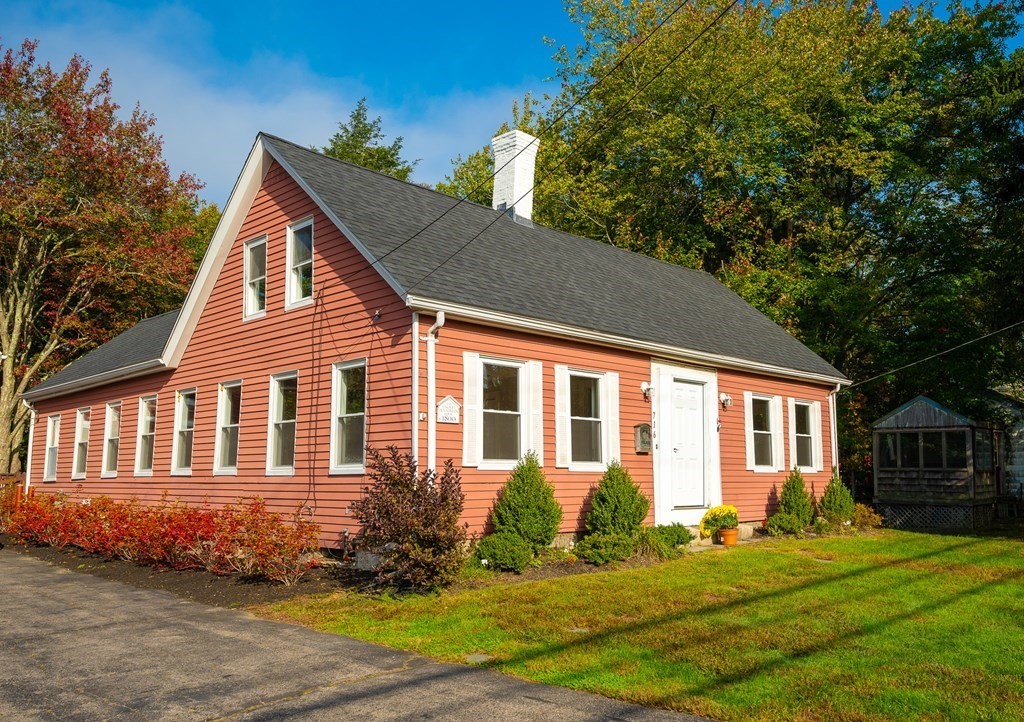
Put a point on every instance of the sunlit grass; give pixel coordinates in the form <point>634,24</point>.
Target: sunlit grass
<point>890,626</point>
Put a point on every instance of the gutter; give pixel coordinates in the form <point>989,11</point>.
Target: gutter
<point>501,319</point>
<point>431,339</point>
<point>125,372</point>
<point>833,425</point>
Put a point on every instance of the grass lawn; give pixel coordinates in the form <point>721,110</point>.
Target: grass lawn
<point>895,625</point>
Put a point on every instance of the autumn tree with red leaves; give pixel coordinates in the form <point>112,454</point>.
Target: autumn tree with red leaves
<point>95,233</point>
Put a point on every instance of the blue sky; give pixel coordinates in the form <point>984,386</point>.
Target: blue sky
<point>443,74</point>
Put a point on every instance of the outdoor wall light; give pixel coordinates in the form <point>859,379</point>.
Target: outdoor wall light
<point>726,400</point>
<point>646,389</point>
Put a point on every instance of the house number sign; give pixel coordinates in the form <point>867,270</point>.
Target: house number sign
<point>448,411</point>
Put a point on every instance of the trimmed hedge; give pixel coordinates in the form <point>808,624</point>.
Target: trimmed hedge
<point>618,506</point>
<point>505,551</point>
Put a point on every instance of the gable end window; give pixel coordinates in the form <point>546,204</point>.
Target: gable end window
<point>82,424</point>
<point>348,436</point>
<point>229,417</point>
<point>503,411</point>
<point>805,446</point>
<point>144,446</point>
<point>763,424</point>
<point>52,443</point>
<point>284,398</point>
<point>299,283</point>
<point>586,419</point>
<point>111,438</point>
<point>184,430</point>
<point>255,277</point>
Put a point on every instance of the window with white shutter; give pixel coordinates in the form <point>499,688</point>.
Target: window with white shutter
<point>503,408</point>
<point>586,419</point>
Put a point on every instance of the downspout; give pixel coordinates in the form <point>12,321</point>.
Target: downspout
<point>431,339</point>
<point>31,435</point>
<point>832,425</point>
<point>415,438</point>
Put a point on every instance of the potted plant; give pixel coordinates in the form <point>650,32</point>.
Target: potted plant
<point>721,521</point>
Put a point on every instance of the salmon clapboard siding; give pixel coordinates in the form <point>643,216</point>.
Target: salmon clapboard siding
<point>755,494</point>
<point>571,487</point>
<point>225,347</point>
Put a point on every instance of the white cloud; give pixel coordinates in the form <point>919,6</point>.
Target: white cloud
<point>209,113</point>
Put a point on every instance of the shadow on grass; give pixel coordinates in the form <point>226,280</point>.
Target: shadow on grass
<point>796,655</point>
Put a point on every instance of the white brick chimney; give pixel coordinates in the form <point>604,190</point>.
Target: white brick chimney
<point>515,179</point>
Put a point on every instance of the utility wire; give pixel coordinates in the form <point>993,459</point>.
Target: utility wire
<point>935,355</point>
<point>592,136</point>
<point>547,128</point>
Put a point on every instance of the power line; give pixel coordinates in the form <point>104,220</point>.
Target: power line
<point>540,133</point>
<point>592,136</point>
<point>935,355</point>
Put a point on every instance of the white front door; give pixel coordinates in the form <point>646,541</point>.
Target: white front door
<point>687,477</point>
<point>686,426</point>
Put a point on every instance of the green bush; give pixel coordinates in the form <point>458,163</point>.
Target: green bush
<point>527,506</point>
<point>618,505</point>
<point>652,545</point>
<point>836,503</point>
<point>675,535</point>
<point>784,523</point>
<point>505,551</point>
<point>795,500</point>
<point>601,548</point>
<point>823,526</point>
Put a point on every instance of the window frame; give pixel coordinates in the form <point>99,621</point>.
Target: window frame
<point>139,434</point>
<point>775,429</point>
<point>52,442</point>
<point>247,293</point>
<point>106,472</point>
<point>272,411</point>
<point>222,388</point>
<point>814,419</point>
<point>336,370</point>
<point>607,392</point>
<point>80,424</point>
<point>521,392</point>
<point>179,408</point>
<point>291,301</point>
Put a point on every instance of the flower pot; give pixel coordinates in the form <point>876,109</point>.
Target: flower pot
<point>728,537</point>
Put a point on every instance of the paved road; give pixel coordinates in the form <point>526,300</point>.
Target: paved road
<point>76,647</point>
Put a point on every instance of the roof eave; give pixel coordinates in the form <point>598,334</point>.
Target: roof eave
<point>549,328</point>
<point>138,369</point>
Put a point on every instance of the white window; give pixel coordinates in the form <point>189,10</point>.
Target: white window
<point>82,419</point>
<point>503,408</point>
<point>111,438</point>
<point>184,431</point>
<point>763,421</point>
<point>805,450</point>
<point>299,283</point>
<point>147,436</point>
<point>255,277</point>
<point>52,441</point>
<point>586,419</point>
<point>284,397</point>
<point>229,416</point>
<point>348,436</point>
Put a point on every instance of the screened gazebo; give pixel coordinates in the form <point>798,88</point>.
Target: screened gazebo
<point>935,468</point>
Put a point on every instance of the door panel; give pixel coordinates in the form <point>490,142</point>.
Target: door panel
<point>687,439</point>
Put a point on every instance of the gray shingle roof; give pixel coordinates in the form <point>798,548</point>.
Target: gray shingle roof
<point>143,342</point>
<point>542,273</point>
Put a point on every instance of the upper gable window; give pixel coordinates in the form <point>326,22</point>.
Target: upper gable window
<point>300,263</point>
<point>255,277</point>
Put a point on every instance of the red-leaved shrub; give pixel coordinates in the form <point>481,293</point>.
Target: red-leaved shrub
<point>244,538</point>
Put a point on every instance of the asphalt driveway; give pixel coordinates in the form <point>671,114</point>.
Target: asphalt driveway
<point>75,647</point>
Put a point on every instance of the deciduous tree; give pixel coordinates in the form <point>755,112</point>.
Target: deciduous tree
<point>95,233</point>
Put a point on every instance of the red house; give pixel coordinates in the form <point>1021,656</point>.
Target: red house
<point>337,307</point>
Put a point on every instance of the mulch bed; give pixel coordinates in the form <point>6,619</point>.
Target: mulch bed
<point>238,592</point>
